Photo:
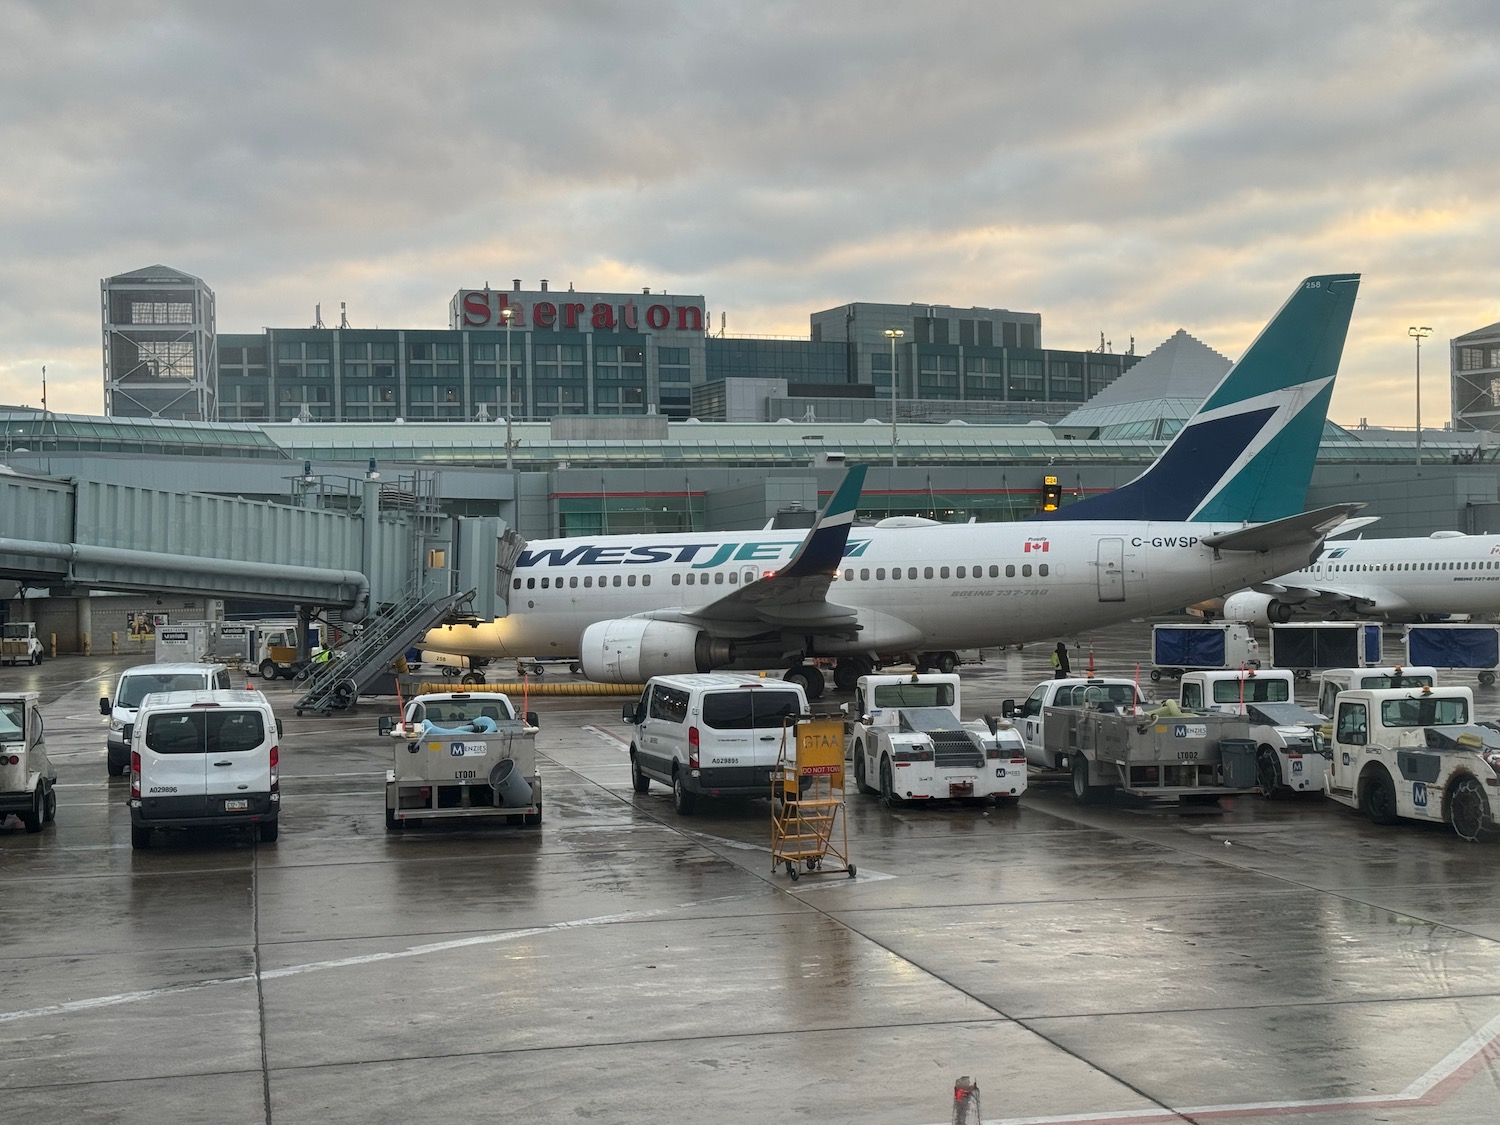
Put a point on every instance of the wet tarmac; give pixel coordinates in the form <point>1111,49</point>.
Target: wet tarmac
<point>622,963</point>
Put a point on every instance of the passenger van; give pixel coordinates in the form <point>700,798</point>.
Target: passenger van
<point>710,734</point>
<point>204,758</point>
<point>137,683</point>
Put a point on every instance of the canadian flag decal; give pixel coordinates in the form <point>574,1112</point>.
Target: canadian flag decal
<point>1034,545</point>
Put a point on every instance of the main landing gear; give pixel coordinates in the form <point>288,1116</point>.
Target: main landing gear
<point>809,677</point>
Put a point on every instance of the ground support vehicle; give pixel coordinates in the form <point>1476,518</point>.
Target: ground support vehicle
<point>1472,647</point>
<point>535,667</point>
<point>19,643</point>
<point>1306,646</point>
<point>1415,753</point>
<point>1163,755</point>
<point>205,759</point>
<point>1288,740</point>
<point>1331,681</point>
<point>276,650</point>
<point>1097,691</point>
<point>1176,649</point>
<point>28,783</point>
<point>137,683</point>
<point>710,734</point>
<point>808,823</point>
<point>908,744</point>
<point>465,669</point>
<point>461,756</point>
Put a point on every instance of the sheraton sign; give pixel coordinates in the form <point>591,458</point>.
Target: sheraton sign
<point>574,312</point>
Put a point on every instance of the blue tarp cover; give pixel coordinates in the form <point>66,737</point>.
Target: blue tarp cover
<point>1188,648</point>
<point>1455,646</point>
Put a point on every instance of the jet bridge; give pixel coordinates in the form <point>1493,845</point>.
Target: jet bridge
<point>359,556</point>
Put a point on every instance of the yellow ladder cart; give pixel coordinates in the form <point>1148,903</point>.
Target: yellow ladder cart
<point>808,828</point>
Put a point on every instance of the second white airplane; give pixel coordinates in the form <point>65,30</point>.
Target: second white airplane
<point>1219,510</point>
<point>1433,576</point>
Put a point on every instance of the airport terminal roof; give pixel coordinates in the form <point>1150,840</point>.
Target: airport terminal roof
<point>1155,397</point>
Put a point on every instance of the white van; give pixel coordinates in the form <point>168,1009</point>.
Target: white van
<point>137,683</point>
<point>712,734</point>
<point>204,758</point>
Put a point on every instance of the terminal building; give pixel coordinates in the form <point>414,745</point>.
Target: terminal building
<point>552,353</point>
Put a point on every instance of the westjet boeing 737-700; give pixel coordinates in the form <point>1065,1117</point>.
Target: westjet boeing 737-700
<point>1409,578</point>
<point>1219,510</point>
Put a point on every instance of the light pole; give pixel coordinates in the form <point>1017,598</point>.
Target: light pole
<point>1417,334</point>
<point>893,334</point>
<point>508,314</point>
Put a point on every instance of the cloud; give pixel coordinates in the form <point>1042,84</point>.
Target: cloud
<point>1124,169</point>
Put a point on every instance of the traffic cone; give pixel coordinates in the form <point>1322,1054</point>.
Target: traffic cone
<point>1091,658</point>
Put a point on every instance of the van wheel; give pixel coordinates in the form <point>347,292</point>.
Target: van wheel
<point>115,766</point>
<point>1380,798</point>
<point>683,801</point>
<point>859,770</point>
<point>37,659</point>
<point>638,781</point>
<point>1268,772</point>
<point>267,670</point>
<point>268,830</point>
<point>1468,810</point>
<point>140,838</point>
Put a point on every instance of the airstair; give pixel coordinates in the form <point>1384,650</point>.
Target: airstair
<point>337,682</point>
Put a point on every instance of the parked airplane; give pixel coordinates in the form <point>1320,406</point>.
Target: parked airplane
<point>1439,575</point>
<point>1218,510</point>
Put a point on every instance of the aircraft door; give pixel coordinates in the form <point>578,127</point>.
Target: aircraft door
<point>1111,570</point>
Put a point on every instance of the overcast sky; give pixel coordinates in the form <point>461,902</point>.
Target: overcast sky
<point>1120,168</point>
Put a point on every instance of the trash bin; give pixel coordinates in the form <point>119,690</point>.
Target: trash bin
<point>1237,762</point>
<point>513,790</point>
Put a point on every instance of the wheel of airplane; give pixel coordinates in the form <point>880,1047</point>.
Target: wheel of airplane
<point>947,663</point>
<point>809,678</point>
<point>846,674</point>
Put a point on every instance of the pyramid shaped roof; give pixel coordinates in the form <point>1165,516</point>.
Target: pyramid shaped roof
<point>1157,395</point>
<point>1487,333</point>
<point>157,273</point>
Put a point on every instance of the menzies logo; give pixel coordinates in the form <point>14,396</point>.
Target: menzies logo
<point>696,555</point>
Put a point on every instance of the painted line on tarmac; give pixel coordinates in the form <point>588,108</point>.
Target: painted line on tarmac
<point>609,738</point>
<point>118,998</point>
<point>1432,1088</point>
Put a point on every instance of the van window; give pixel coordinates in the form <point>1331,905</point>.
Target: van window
<point>1192,696</point>
<point>669,704</point>
<point>177,732</point>
<point>137,685</point>
<point>742,709</point>
<point>235,731</point>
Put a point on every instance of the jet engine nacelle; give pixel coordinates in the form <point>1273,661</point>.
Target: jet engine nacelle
<point>630,650</point>
<point>1251,608</point>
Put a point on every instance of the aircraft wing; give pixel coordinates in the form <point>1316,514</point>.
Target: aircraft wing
<point>1351,525</point>
<point>1316,597</point>
<point>796,595</point>
<point>1310,527</point>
